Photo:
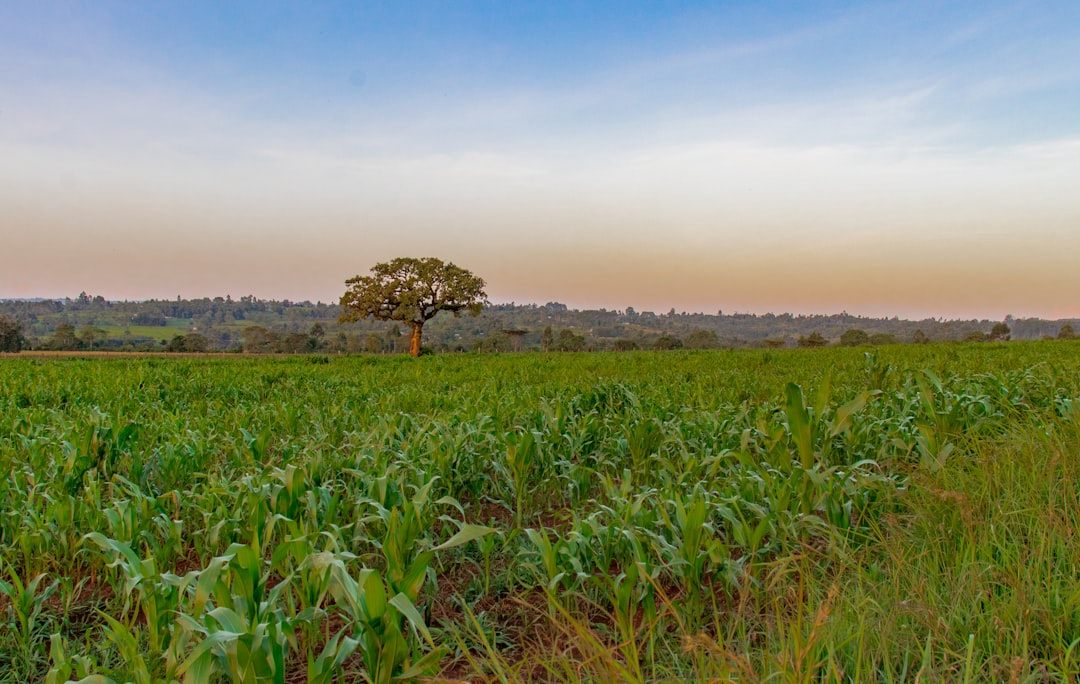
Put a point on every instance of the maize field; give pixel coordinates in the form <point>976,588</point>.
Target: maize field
<point>905,514</point>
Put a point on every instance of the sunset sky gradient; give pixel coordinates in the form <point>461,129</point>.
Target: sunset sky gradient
<point>903,158</point>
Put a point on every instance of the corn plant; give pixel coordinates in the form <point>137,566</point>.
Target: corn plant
<point>25,605</point>
<point>235,623</point>
<point>145,589</point>
<point>695,544</point>
<point>66,668</point>
<point>522,459</point>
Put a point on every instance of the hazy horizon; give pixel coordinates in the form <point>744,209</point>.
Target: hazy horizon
<point>917,159</point>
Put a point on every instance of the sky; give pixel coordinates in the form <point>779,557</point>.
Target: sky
<point>914,159</point>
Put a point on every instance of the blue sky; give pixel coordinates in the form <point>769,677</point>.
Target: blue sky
<point>913,159</point>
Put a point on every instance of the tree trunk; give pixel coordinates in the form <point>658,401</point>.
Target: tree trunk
<point>414,345</point>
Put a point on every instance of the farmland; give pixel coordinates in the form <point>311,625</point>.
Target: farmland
<point>835,514</point>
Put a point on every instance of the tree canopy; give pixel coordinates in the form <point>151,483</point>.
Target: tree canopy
<point>814,339</point>
<point>412,291</point>
<point>854,337</point>
<point>11,338</point>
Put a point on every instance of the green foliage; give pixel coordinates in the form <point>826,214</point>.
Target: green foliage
<point>569,341</point>
<point>667,342</point>
<point>412,291</point>
<point>547,339</point>
<point>11,334</point>
<point>878,339</point>
<point>854,337</point>
<point>64,338</point>
<point>814,339</point>
<point>91,336</point>
<point>294,327</point>
<point>702,339</point>
<point>25,604</point>
<point>894,514</point>
<point>190,343</point>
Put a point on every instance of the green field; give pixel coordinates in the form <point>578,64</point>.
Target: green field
<point>908,514</point>
<point>159,333</point>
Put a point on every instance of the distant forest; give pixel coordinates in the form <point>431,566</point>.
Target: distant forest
<point>251,325</point>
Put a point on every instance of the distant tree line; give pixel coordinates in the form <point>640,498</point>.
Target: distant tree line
<point>250,325</point>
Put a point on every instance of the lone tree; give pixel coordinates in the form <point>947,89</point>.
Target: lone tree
<point>412,291</point>
<point>515,335</point>
<point>1000,332</point>
<point>813,340</point>
<point>854,337</point>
